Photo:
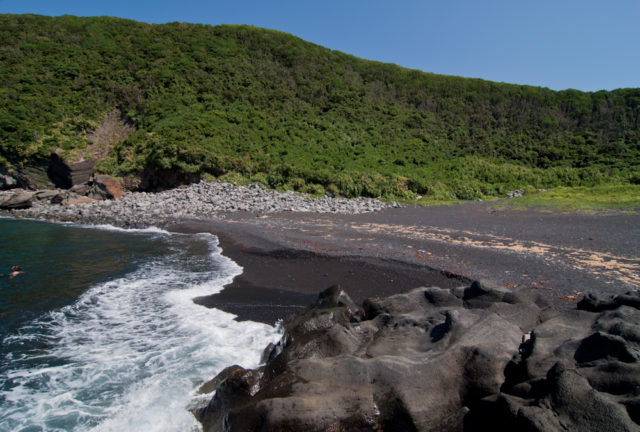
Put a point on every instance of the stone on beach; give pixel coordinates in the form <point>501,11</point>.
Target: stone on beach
<point>19,200</point>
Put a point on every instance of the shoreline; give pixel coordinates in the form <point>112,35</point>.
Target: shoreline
<point>291,247</point>
<point>278,281</point>
<point>561,256</point>
<point>287,258</point>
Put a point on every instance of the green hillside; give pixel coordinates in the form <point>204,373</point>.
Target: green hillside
<point>245,103</point>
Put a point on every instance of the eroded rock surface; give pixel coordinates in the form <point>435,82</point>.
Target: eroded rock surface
<point>19,200</point>
<point>468,359</point>
<point>66,174</point>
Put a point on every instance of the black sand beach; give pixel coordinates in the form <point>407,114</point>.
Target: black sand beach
<point>279,280</point>
<point>292,246</point>
<point>289,257</point>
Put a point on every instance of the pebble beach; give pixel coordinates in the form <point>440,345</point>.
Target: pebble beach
<point>202,200</point>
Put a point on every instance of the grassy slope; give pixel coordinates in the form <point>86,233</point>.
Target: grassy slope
<point>625,198</point>
<point>251,104</point>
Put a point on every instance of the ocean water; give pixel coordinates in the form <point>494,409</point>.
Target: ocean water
<point>100,332</point>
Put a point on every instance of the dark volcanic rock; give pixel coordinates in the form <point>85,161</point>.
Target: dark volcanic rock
<point>81,189</point>
<point>595,304</point>
<point>32,177</point>
<point>476,358</point>
<point>65,174</point>
<point>162,179</point>
<point>105,187</point>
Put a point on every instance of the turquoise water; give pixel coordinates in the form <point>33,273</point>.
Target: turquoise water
<point>100,333</point>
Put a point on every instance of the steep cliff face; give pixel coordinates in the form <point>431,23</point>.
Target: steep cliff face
<point>474,358</point>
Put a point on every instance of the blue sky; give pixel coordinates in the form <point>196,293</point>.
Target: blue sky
<point>588,45</point>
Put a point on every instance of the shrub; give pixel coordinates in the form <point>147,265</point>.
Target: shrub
<point>235,178</point>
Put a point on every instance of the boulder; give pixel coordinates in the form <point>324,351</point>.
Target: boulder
<point>467,359</point>
<point>46,194</point>
<point>105,187</point>
<point>67,197</point>
<point>19,200</point>
<point>80,189</point>
<point>59,198</point>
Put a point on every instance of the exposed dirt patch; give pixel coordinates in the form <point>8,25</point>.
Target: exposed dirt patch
<point>115,127</point>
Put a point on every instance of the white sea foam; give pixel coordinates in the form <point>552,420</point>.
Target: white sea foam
<point>129,353</point>
<point>108,227</point>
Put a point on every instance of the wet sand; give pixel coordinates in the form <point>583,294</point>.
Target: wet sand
<point>278,281</point>
<point>289,257</point>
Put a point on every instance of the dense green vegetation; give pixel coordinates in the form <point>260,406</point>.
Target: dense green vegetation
<point>242,103</point>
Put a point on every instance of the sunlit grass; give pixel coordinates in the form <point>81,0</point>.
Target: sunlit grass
<point>624,198</point>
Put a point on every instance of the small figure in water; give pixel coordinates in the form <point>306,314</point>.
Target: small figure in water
<point>15,271</point>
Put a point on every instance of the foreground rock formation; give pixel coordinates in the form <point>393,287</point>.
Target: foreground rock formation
<point>469,359</point>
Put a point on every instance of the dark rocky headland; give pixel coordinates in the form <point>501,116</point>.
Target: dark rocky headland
<point>473,358</point>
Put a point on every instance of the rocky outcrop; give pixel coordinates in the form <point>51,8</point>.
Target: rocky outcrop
<point>475,358</point>
<point>31,177</point>
<point>579,371</point>
<point>66,174</point>
<point>102,187</point>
